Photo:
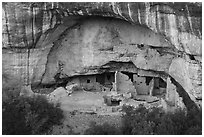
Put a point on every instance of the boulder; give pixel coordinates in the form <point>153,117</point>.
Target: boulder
<point>58,93</point>
<point>72,87</point>
<point>183,72</point>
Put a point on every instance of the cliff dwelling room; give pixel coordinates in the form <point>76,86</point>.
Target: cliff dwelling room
<point>101,68</point>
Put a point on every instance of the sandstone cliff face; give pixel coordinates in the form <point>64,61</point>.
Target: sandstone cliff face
<point>41,40</point>
<point>180,23</point>
<point>98,41</point>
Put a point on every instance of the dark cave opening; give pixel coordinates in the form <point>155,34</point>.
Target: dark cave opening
<point>148,80</point>
<point>129,74</point>
<point>159,87</point>
<point>192,57</point>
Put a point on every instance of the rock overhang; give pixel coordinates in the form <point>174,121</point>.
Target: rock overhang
<point>97,41</point>
<point>179,25</point>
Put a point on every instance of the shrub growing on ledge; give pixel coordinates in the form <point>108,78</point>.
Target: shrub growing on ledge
<point>29,115</point>
<point>104,129</point>
<point>145,121</point>
<point>11,87</point>
<point>154,121</point>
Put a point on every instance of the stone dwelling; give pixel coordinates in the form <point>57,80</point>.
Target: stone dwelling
<point>94,82</point>
<point>125,81</point>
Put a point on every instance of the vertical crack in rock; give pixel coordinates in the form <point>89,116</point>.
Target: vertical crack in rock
<point>6,18</point>
<point>32,24</point>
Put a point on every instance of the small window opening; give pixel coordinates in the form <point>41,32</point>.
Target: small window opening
<point>148,79</point>
<point>130,75</point>
<point>88,81</point>
<point>140,46</point>
<point>115,102</point>
<point>192,57</point>
<point>162,83</point>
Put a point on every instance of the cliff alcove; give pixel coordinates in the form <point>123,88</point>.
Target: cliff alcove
<point>146,52</point>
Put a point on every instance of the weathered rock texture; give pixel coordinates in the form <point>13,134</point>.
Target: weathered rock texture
<point>43,42</point>
<point>172,96</point>
<point>98,41</point>
<point>124,84</point>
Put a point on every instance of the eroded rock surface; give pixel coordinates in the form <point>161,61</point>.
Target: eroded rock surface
<point>98,41</point>
<point>179,22</point>
<point>44,43</point>
<point>124,84</point>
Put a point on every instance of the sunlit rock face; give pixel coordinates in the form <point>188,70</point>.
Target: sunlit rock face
<point>97,41</point>
<point>42,41</point>
<point>180,23</point>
